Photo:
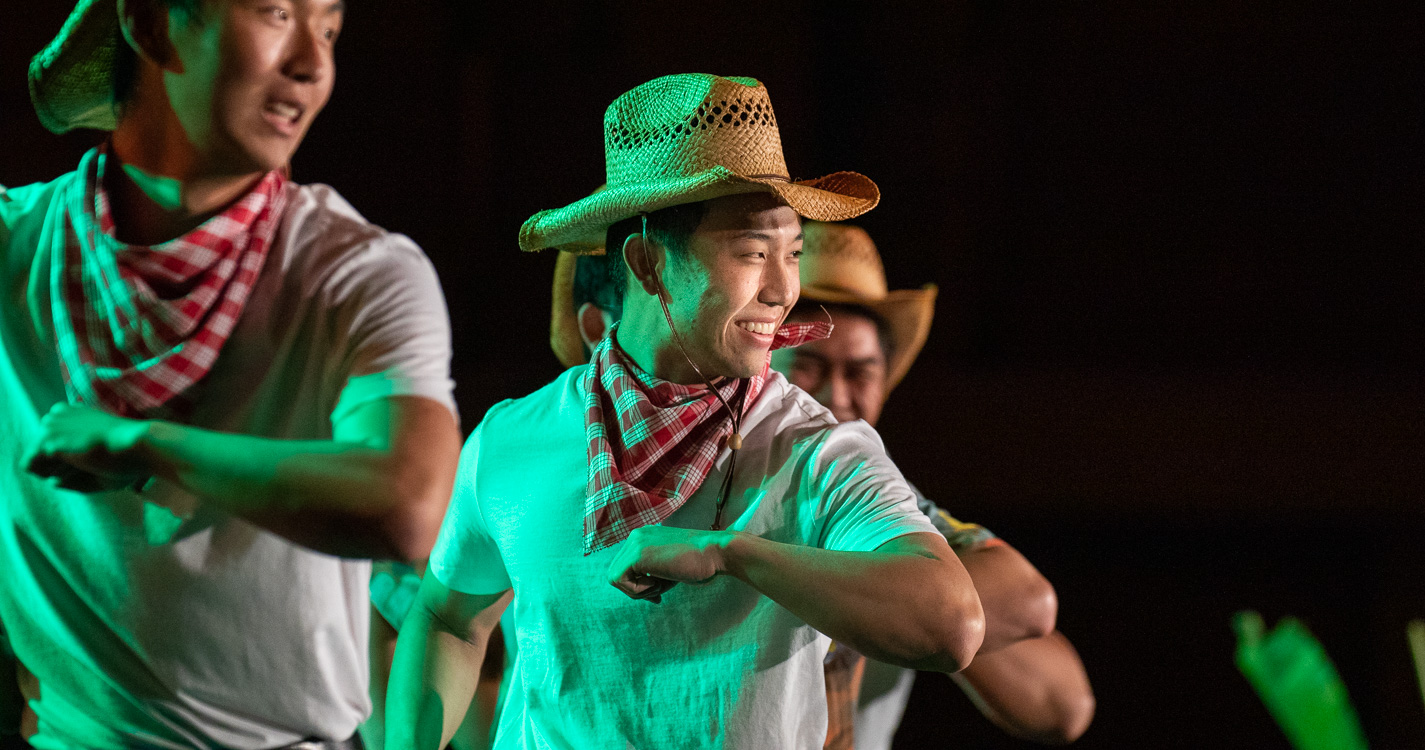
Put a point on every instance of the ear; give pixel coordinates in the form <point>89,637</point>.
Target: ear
<point>594,322</point>
<point>645,260</point>
<point>144,24</point>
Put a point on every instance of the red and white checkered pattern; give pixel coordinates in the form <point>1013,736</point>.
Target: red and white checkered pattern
<point>652,442</point>
<point>138,326</point>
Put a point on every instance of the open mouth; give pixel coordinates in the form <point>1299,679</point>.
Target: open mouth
<point>283,115</point>
<point>764,329</point>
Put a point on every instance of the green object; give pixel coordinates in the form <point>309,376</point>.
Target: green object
<point>1415,635</point>
<point>1296,680</point>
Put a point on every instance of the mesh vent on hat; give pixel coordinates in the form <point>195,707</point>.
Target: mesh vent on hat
<point>679,126</point>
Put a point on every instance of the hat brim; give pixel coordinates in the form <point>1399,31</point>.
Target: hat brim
<point>907,313</point>
<point>580,226</point>
<point>72,78</point>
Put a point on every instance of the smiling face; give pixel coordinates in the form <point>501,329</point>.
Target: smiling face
<point>251,78</point>
<point>846,373</point>
<point>736,282</point>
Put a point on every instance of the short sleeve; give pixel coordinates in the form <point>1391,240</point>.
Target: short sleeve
<point>865,501</point>
<point>399,338</point>
<point>466,558</point>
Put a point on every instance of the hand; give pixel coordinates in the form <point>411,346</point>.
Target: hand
<point>654,558</point>
<point>87,450</point>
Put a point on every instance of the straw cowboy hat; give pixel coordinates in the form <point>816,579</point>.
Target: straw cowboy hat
<point>688,138</point>
<point>840,265</point>
<point>72,78</point>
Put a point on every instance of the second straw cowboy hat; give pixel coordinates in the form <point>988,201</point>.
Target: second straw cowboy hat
<point>840,265</point>
<point>72,78</point>
<point>688,138</point>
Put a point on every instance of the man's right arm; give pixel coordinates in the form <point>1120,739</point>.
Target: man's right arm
<point>1035,689</point>
<point>437,664</point>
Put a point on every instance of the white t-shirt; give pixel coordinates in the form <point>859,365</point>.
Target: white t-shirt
<point>716,665</point>
<point>150,629</point>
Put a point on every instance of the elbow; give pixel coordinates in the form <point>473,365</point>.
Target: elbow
<point>966,636</point>
<point>1070,718</point>
<point>959,635</point>
<point>1041,608</point>
<point>1078,714</point>
<point>416,506</point>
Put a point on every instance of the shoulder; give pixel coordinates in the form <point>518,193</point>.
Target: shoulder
<point>22,218</point>
<point>327,243</point>
<point>560,401</point>
<point>785,408</point>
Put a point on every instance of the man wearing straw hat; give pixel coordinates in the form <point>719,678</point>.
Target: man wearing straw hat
<point>679,529</point>
<point>231,388</point>
<point>1026,677</point>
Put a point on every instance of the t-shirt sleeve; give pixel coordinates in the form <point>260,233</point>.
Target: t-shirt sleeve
<point>865,500</point>
<point>399,337</point>
<point>466,558</point>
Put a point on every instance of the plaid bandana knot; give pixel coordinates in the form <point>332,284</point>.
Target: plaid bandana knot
<point>652,442</point>
<point>138,326</point>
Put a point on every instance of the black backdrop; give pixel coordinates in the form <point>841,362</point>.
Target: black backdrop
<point>1177,354</point>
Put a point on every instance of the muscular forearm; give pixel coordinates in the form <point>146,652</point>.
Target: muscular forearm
<point>898,604</point>
<point>338,497</point>
<point>1035,689</point>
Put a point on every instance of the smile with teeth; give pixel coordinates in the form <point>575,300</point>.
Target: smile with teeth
<point>285,111</point>
<point>766,329</point>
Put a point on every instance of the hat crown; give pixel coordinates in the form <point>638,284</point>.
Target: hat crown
<point>842,258</point>
<point>683,125</point>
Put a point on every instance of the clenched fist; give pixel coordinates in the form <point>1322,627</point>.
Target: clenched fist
<point>86,449</point>
<point>654,558</point>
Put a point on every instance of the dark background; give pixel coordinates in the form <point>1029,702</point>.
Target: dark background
<point>1177,356</point>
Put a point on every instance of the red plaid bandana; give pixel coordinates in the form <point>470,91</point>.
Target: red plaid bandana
<point>652,442</point>
<point>138,326</point>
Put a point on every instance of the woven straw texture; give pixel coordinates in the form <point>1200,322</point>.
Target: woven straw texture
<point>72,78</point>
<point>688,138</point>
<point>840,265</point>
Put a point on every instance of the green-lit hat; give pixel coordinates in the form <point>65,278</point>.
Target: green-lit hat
<point>687,138</point>
<point>72,78</point>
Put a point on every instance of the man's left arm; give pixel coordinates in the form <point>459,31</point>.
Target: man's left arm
<point>909,602</point>
<point>378,488</point>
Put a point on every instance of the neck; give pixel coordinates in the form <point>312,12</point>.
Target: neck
<point>161,187</point>
<point>643,335</point>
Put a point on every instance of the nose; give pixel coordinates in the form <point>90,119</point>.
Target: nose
<point>781,283</point>
<point>835,394</point>
<point>308,60</point>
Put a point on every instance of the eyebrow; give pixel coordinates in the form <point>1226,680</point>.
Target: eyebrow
<point>826,360</point>
<point>337,7</point>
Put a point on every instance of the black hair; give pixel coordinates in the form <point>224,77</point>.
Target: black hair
<point>809,309</point>
<point>126,61</point>
<point>670,227</point>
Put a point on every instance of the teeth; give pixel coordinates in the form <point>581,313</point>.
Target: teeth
<point>285,111</point>
<point>763,328</point>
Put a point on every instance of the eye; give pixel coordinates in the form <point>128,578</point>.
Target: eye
<point>278,13</point>
<point>329,34</point>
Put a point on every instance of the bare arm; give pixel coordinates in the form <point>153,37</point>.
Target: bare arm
<point>1019,601</point>
<point>438,658</point>
<point>378,488</point>
<point>908,603</point>
<point>1035,689</point>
